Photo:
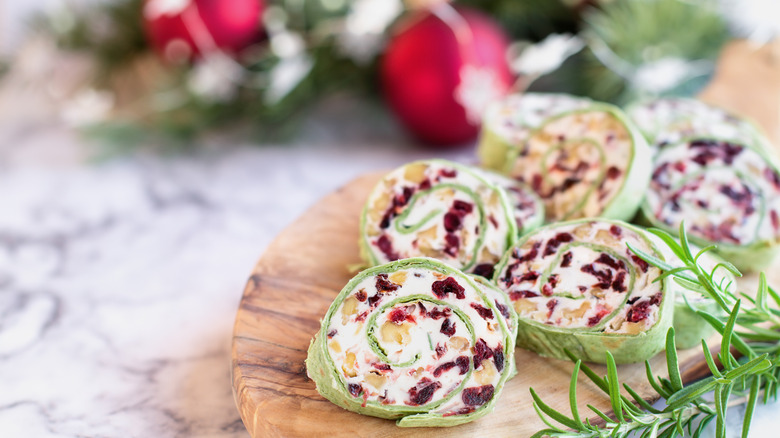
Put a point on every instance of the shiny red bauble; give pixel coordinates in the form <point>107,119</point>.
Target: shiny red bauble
<point>180,30</point>
<point>440,68</point>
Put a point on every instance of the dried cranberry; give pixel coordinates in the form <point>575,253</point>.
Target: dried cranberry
<point>568,183</point>
<point>441,350</point>
<point>451,222</point>
<point>462,208</point>
<point>536,183</point>
<point>775,220</point>
<point>547,290</point>
<point>659,171</point>
<point>656,299</point>
<point>608,260</point>
<point>362,316</point>
<point>773,177</point>
<point>504,310</point>
<point>478,395</point>
<point>361,295</point>
<point>566,260</point>
<point>641,263</point>
<point>551,307</point>
<point>734,195</point>
<point>449,285</point>
<point>354,389</point>
<point>443,368</point>
<point>615,230</point>
<point>447,327</point>
<point>531,276</point>
<point>386,246</point>
<point>705,157</point>
<point>554,279</point>
<point>397,315</point>
<point>481,352</point>
<point>426,184</point>
<point>448,173</point>
<point>452,244</point>
<point>374,299</point>
<point>604,277</point>
<point>618,285</point>
<point>332,333</point>
<point>530,255</point>
<point>463,362</point>
<point>613,172</point>
<point>437,313</point>
<point>485,270</point>
<point>595,319</point>
<point>484,312</point>
<point>423,392</point>
<point>730,151</point>
<point>555,242</point>
<point>382,367</point>
<point>493,221</point>
<point>385,285</point>
<point>498,358</point>
<point>516,295</point>
<point>639,312</point>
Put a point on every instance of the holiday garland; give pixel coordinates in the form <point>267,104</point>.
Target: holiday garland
<point>297,55</point>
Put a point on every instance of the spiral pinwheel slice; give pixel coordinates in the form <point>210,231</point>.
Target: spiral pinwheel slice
<point>443,210</point>
<point>726,193</point>
<point>509,122</point>
<point>577,286</point>
<point>670,120</point>
<point>586,163</point>
<point>417,341</point>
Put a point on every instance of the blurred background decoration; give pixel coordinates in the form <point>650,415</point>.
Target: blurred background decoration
<point>172,70</point>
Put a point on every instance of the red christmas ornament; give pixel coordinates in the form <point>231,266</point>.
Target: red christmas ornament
<point>180,30</point>
<point>440,69</point>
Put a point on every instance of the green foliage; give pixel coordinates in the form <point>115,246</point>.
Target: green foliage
<point>531,19</point>
<point>112,31</point>
<point>752,330</point>
<point>625,35</point>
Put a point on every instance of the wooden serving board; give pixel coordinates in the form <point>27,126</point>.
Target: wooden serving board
<point>292,287</point>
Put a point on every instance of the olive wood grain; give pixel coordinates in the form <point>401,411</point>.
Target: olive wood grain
<point>306,266</point>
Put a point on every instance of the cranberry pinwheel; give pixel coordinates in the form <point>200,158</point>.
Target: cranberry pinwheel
<point>726,194</point>
<point>460,215</point>
<point>576,285</point>
<point>417,341</point>
<point>670,120</point>
<point>509,122</point>
<point>584,159</point>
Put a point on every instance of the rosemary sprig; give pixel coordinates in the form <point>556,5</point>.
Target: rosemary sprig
<point>749,325</point>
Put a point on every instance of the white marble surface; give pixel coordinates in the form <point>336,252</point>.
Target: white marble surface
<point>119,279</point>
